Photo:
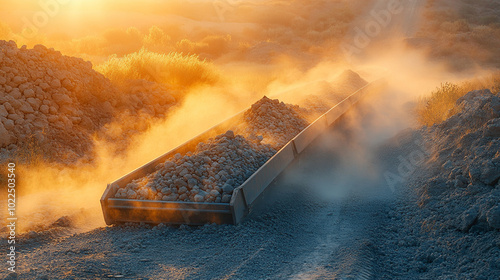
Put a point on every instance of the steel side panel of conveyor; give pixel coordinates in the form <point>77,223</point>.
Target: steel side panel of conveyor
<point>306,136</point>
<point>238,205</point>
<point>117,215</point>
<point>127,210</point>
<point>254,186</point>
<point>258,182</point>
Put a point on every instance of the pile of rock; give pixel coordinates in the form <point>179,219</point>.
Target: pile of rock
<point>447,222</point>
<point>49,99</point>
<point>53,104</point>
<point>467,164</point>
<point>209,174</point>
<point>317,98</point>
<point>219,165</point>
<point>274,121</point>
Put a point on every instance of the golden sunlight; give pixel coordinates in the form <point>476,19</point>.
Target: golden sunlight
<point>329,131</point>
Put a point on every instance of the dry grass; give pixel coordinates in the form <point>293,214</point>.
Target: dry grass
<point>174,69</point>
<point>438,106</point>
<point>211,46</point>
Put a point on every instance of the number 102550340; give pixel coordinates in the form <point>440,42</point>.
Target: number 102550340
<point>11,184</point>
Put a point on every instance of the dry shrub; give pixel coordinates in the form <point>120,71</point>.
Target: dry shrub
<point>174,69</point>
<point>212,46</point>
<point>463,33</point>
<point>438,106</point>
<point>156,39</point>
<point>121,42</point>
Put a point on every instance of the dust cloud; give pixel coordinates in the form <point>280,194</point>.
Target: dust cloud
<point>253,48</point>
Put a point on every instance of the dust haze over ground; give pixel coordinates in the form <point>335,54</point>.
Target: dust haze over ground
<point>231,70</point>
<point>317,222</point>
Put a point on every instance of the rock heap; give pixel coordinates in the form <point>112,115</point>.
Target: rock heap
<point>51,100</point>
<point>51,104</point>
<point>466,164</point>
<point>219,165</point>
<point>209,174</point>
<point>275,121</point>
<point>447,221</point>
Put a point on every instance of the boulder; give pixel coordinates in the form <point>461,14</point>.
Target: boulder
<point>35,103</point>
<point>229,134</point>
<point>490,175</point>
<point>44,86</point>
<point>493,128</point>
<point>62,99</point>
<point>16,93</point>
<point>29,93</point>
<point>493,217</point>
<point>66,83</point>
<point>26,108</point>
<point>468,219</point>
<point>8,124</point>
<point>29,117</point>
<point>16,104</point>
<point>214,193</point>
<point>19,80</point>
<point>3,111</point>
<point>53,118</point>
<point>5,138</point>
<point>53,110</point>
<point>55,84</point>
<point>44,109</point>
<point>227,188</point>
<point>14,117</point>
<point>39,124</point>
<point>199,198</point>
<point>226,198</point>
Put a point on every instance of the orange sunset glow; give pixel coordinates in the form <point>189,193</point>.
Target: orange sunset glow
<point>249,139</point>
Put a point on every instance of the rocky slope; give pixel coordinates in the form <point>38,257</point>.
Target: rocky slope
<point>465,167</point>
<point>446,224</point>
<point>51,104</point>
